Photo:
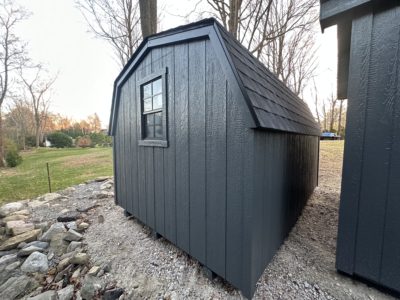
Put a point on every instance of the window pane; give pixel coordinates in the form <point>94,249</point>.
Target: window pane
<point>158,118</point>
<point>150,120</point>
<point>158,131</point>
<point>147,90</point>
<point>147,104</point>
<point>150,132</point>
<point>157,102</point>
<point>157,86</point>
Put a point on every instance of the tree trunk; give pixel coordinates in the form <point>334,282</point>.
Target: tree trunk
<point>148,17</point>
<point>1,141</point>
<point>37,135</point>
<point>234,9</point>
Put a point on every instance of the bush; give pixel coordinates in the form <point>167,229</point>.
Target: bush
<point>84,142</point>
<point>59,140</point>
<point>30,141</point>
<point>12,156</point>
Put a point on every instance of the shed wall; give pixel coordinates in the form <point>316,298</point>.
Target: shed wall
<point>368,238</point>
<point>182,191</point>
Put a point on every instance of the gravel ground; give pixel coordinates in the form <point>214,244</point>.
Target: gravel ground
<point>304,267</point>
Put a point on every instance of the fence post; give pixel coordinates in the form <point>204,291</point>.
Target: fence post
<point>48,176</point>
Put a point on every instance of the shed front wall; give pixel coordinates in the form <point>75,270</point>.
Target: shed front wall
<point>182,191</point>
<point>369,222</point>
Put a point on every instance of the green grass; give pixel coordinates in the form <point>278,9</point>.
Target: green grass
<point>67,167</point>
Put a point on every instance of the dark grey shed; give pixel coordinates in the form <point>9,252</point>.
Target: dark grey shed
<point>369,68</point>
<point>225,168</point>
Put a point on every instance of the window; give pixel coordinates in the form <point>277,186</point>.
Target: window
<point>153,111</point>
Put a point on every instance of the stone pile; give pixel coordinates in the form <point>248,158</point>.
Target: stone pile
<point>42,260</point>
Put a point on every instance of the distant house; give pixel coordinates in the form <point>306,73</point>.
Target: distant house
<point>211,150</point>
<point>369,76</point>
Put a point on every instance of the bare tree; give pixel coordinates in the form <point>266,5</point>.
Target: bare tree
<point>11,53</point>
<point>279,33</point>
<point>115,21</point>
<point>36,91</point>
<point>340,117</point>
<point>332,111</point>
<point>148,17</point>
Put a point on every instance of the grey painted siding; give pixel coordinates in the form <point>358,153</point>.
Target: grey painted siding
<point>207,192</point>
<point>368,239</point>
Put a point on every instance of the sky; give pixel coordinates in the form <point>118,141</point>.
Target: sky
<point>58,36</point>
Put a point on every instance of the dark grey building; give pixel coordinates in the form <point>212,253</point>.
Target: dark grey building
<point>369,69</point>
<point>211,150</point>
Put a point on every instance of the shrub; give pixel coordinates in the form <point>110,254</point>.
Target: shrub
<point>84,141</point>
<point>60,140</point>
<point>12,156</point>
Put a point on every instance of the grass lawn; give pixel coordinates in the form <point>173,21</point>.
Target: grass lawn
<point>67,167</point>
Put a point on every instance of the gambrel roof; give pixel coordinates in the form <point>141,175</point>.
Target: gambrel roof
<point>272,105</point>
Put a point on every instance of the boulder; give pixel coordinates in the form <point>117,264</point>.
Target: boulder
<point>80,259</point>
<point>38,244</point>
<point>14,217</point>
<point>18,227</point>
<point>7,259</point>
<point>11,267</point>
<point>13,242</point>
<point>58,244</point>
<point>66,293</point>
<point>73,236</point>
<point>36,262</point>
<point>73,246</point>
<point>68,216</point>
<point>113,294</point>
<point>9,208</point>
<point>55,229</point>
<point>17,287</point>
<point>29,250</point>
<point>90,287</point>
<point>48,295</point>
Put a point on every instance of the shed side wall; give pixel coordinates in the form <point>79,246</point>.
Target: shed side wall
<point>196,192</point>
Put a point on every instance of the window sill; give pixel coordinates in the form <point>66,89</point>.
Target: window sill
<point>153,143</point>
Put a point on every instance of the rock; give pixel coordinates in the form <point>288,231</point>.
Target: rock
<point>13,266</point>
<point>101,273</point>
<point>66,293</point>
<point>113,294</point>
<point>48,295</point>
<point>75,275</point>
<point>8,259</point>
<point>29,250</point>
<point>73,246</point>
<point>54,229</point>
<point>102,178</point>
<point>16,240</point>
<point>23,212</point>
<point>4,253</point>
<point>94,270</point>
<point>80,259</point>
<point>50,197</point>
<point>17,287</point>
<point>106,267</point>
<point>83,226</point>
<point>100,219</point>
<point>37,203</point>
<point>9,208</point>
<point>90,287</point>
<point>69,190</point>
<point>72,225</point>
<point>36,262</point>
<point>106,185</point>
<point>63,264</point>
<point>58,244</point>
<point>68,216</point>
<point>38,244</point>
<point>18,227</point>
<point>44,226</point>
<point>73,236</point>
<point>15,218</point>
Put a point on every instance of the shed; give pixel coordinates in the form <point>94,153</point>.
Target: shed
<point>368,244</point>
<point>211,150</point>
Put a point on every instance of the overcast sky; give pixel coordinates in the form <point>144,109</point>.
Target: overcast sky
<point>58,36</point>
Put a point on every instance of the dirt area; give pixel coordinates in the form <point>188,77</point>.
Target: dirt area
<point>146,268</point>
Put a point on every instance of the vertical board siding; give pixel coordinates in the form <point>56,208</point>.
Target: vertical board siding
<point>353,154</point>
<point>197,149</point>
<point>159,211</point>
<point>216,163</point>
<point>377,145</point>
<point>223,192</point>
<point>181,102</point>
